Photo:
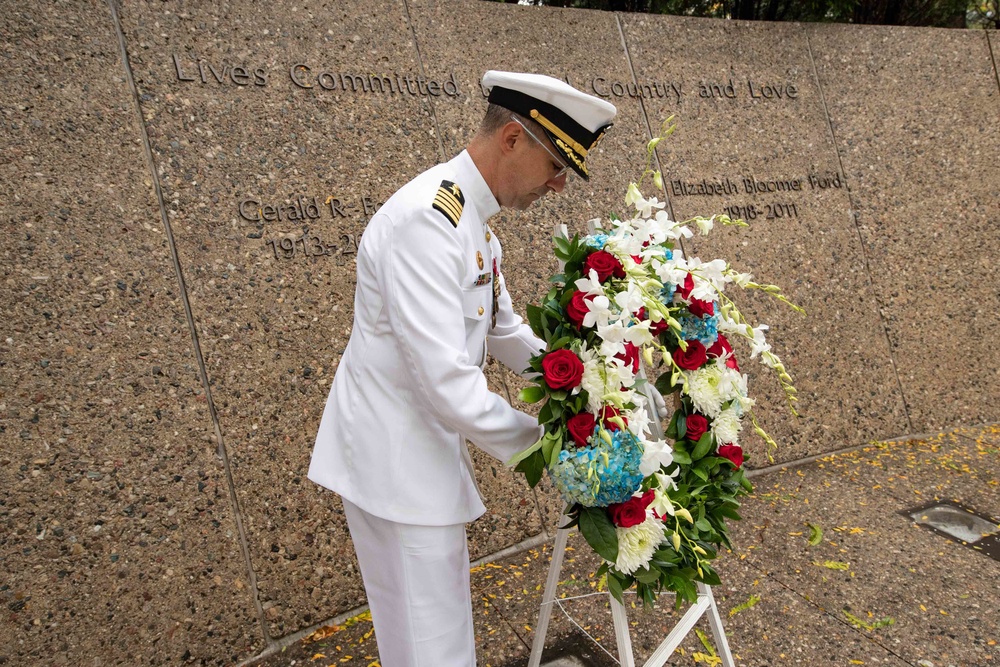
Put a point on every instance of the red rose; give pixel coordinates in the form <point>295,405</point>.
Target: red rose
<point>720,347</point>
<point>696,427</point>
<point>701,308</point>
<point>581,427</point>
<point>685,289</point>
<point>632,512</point>
<point>607,412</point>
<point>732,452</point>
<point>562,369</point>
<point>605,264</point>
<point>656,328</point>
<point>577,309</point>
<point>692,358</point>
<point>630,356</point>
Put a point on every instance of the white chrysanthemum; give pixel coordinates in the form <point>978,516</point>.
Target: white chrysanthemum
<point>702,387</point>
<point>726,427</point>
<point>636,545</point>
<point>655,453</point>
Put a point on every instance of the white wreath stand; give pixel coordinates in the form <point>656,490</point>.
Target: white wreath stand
<point>704,605</point>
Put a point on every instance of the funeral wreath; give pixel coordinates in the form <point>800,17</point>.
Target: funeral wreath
<point>655,512</point>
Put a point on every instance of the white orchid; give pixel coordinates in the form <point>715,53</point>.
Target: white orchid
<point>590,285</point>
<point>655,454</point>
<point>705,225</point>
<point>759,343</point>
<point>630,300</point>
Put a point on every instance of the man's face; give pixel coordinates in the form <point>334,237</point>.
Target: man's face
<point>539,171</point>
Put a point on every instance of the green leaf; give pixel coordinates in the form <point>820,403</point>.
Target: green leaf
<point>815,534</point>
<point>663,385</point>
<point>532,467</point>
<point>730,513</point>
<point>545,414</point>
<point>531,394</point>
<point>647,576</point>
<point>534,314</point>
<point>682,458</point>
<point>671,431</point>
<point>710,576</point>
<point>700,449</point>
<point>597,529</point>
<point>561,343</point>
<point>525,453</point>
<point>554,448</point>
<point>614,586</point>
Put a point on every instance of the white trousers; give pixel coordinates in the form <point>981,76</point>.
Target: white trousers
<point>417,581</point>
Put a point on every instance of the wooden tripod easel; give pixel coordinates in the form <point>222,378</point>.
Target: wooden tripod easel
<point>704,605</point>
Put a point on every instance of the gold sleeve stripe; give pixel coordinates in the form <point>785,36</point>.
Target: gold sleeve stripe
<point>550,126</point>
<point>449,203</point>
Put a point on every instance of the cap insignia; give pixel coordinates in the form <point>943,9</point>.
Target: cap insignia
<point>449,200</point>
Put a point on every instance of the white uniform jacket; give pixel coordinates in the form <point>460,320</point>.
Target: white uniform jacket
<point>410,388</point>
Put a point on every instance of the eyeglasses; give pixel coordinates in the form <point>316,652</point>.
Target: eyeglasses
<point>555,158</point>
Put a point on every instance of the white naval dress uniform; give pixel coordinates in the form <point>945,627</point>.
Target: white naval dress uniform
<point>408,392</point>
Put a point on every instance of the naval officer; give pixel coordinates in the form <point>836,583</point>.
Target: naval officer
<point>410,388</point>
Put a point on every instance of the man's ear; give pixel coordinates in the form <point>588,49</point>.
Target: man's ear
<point>509,135</point>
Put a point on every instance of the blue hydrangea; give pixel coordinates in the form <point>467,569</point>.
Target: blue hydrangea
<point>615,475</point>
<point>704,329</point>
<point>667,292</point>
<point>596,240</point>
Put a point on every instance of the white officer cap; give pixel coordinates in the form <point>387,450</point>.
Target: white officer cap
<point>574,121</point>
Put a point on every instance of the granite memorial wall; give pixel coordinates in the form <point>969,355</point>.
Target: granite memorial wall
<point>182,190</point>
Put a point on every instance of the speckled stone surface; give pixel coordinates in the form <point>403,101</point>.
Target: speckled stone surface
<point>273,323</point>
<point>118,544</point>
<point>915,117</point>
<point>801,239</point>
<point>921,597</point>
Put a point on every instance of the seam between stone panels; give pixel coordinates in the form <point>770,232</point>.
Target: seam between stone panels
<point>867,636</point>
<point>857,228</point>
<point>645,117</point>
<point>202,371</point>
<point>539,540</point>
<point>993,58</point>
<point>420,64</point>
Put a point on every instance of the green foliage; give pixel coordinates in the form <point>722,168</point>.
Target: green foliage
<point>597,529</point>
<point>939,13</point>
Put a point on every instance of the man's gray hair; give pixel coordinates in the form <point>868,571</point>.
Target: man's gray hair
<point>498,116</point>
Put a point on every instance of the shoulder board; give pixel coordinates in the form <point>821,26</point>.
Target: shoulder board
<point>449,200</point>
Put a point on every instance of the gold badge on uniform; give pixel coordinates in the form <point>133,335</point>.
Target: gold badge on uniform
<point>479,259</point>
<point>449,200</point>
